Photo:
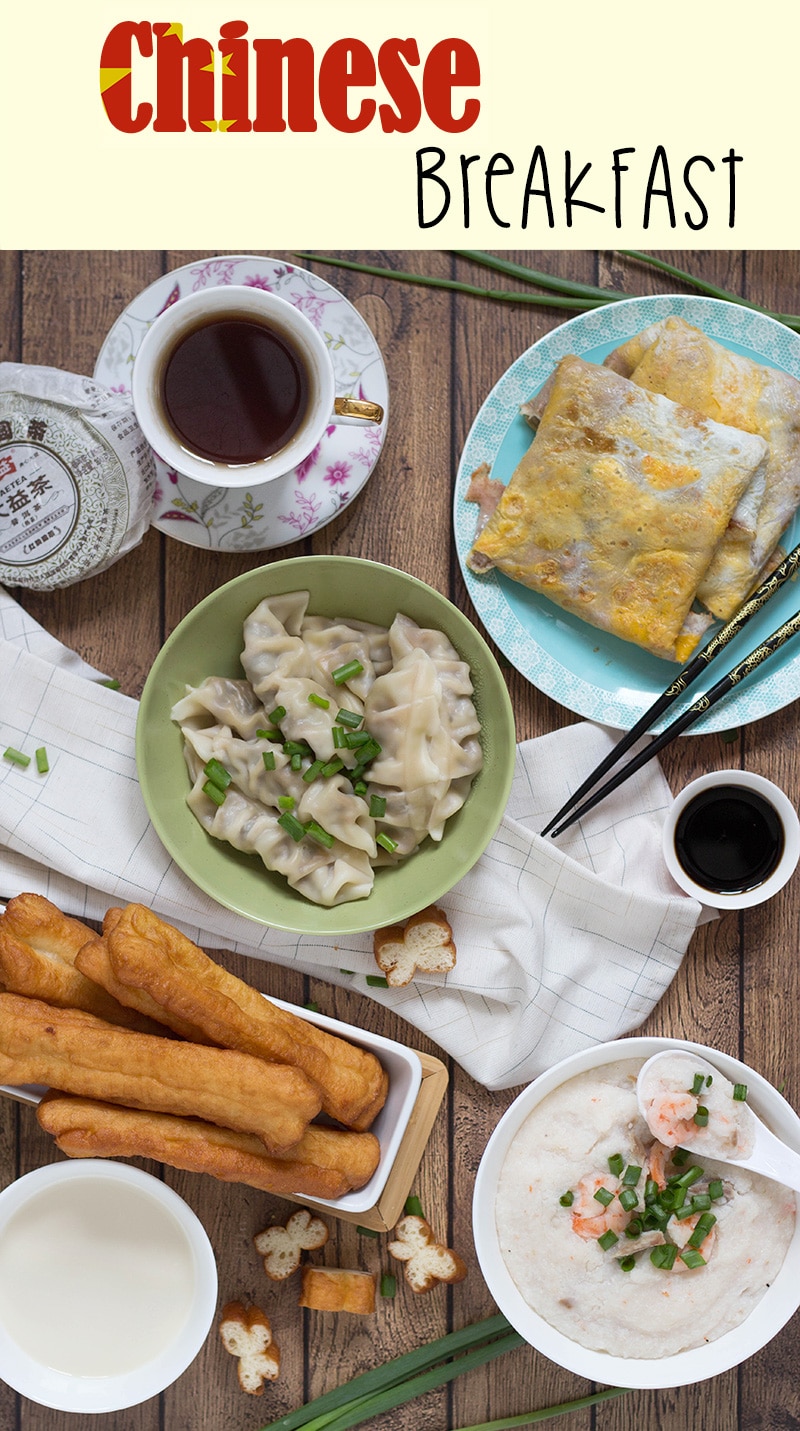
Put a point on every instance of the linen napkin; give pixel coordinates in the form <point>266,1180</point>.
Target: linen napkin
<point>560,944</point>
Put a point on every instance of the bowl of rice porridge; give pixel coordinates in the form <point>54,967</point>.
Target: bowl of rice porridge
<point>628,1258</point>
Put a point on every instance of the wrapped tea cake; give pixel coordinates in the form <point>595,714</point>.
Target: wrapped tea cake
<point>76,477</point>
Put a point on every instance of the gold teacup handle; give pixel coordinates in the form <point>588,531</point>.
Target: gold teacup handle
<point>356,407</point>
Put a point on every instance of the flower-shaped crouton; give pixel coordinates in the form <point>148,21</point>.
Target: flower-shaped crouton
<point>247,1334</point>
<point>426,943</point>
<point>281,1246</point>
<point>426,1260</point>
<point>336,1289</point>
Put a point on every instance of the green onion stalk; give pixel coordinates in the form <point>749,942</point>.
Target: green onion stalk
<point>560,293</point>
<point>405,1377</point>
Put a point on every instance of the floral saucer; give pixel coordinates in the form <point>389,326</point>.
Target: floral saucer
<point>270,514</point>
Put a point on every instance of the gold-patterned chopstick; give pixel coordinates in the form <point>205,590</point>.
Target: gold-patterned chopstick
<point>699,662</point>
<point>722,688</point>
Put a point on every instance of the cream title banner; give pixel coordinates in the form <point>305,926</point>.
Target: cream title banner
<point>422,125</point>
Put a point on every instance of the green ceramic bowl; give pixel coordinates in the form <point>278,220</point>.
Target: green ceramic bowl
<point>208,642</point>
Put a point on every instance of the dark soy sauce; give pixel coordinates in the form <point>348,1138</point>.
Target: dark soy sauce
<point>234,390</point>
<point>729,839</point>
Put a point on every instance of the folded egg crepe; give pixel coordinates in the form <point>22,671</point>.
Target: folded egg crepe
<point>684,364</point>
<point>616,510</point>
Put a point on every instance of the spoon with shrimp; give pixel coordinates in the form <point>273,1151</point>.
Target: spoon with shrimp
<point>686,1102</point>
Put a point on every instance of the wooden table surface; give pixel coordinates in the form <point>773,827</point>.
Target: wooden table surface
<point>737,989</point>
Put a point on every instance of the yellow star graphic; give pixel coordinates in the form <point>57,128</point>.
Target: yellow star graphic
<point>109,77</point>
<point>226,66</point>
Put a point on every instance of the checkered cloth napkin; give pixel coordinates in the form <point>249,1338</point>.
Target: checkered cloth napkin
<point>560,945</point>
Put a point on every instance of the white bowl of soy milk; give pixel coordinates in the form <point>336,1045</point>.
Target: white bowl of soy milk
<point>108,1286</point>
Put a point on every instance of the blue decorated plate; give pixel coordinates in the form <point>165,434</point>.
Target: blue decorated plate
<point>588,671</point>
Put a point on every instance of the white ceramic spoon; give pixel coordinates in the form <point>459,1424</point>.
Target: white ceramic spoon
<point>766,1154</point>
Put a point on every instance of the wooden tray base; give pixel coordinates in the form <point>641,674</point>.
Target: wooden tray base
<point>389,1207</point>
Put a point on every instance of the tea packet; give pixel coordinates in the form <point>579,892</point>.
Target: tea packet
<point>76,477</point>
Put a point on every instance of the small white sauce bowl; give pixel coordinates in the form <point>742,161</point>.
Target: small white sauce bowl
<point>785,868</point>
<point>63,1391</point>
<point>779,1303</point>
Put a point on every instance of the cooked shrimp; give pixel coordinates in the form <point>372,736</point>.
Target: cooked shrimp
<point>680,1232</point>
<point>670,1117</point>
<point>658,1159</point>
<point>589,1218</point>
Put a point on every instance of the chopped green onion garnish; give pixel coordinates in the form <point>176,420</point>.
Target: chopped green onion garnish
<point>349,718</point>
<point>616,1163</point>
<point>217,774</point>
<point>214,793</point>
<point>567,1199</point>
<point>701,1116</point>
<point>680,1157</point>
<point>298,747</point>
<point>346,672</point>
<point>704,1225</point>
<point>690,1176</point>
<point>650,1190</point>
<point>365,1231</point>
<point>701,1202</point>
<point>354,738</point>
<point>312,1007</point>
<point>739,1092</point>
<point>268,757</point>
<point>110,682</point>
<point>296,761</point>
<point>369,751</point>
<point>655,1219</point>
<point>631,1176</point>
<point>604,1196</point>
<point>332,767</point>
<point>292,826</point>
<point>359,788</point>
<point>697,1084</point>
<point>16,756</point>
<point>338,737</point>
<point>634,1227</point>
<point>629,1199</point>
<point>42,763</point>
<point>388,1284</point>
<point>377,806</point>
<point>683,1211</point>
<point>321,702</point>
<point>377,981</point>
<point>664,1256</point>
<point>716,1189</point>
<point>314,769</point>
<point>691,1258</point>
<point>387,842</point>
<point>627,1264</point>
<point>413,1206</point>
<point>709,1080</point>
<point>607,1240</point>
<point>316,832</point>
<point>277,715</point>
<point>271,733</point>
<point>286,802</point>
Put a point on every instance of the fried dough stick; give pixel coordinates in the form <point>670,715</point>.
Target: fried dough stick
<point>147,954</point>
<point>78,1053</point>
<point>38,949</point>
<point>326,1163</point>
<point>95,963</point>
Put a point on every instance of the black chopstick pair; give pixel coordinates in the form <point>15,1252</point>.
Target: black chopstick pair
<point>572,810</point>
